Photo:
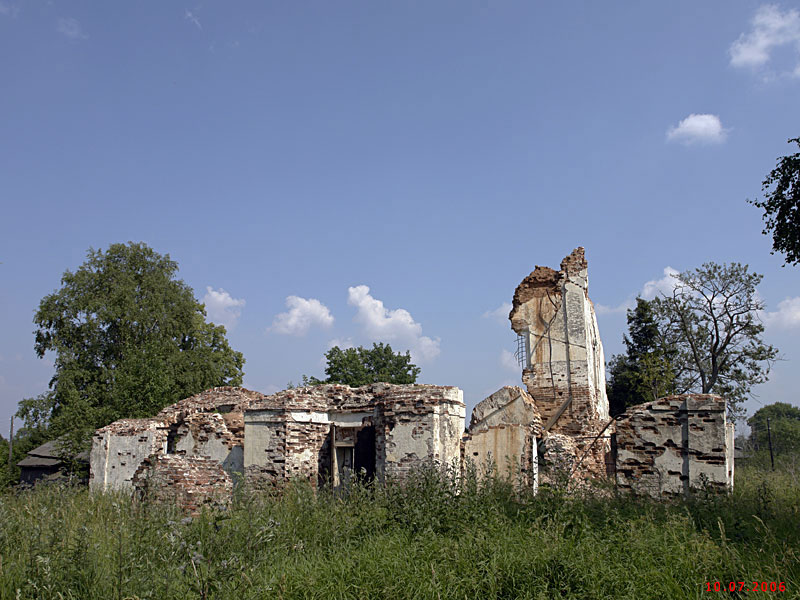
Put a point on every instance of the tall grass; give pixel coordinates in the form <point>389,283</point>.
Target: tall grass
<point>430,537</point>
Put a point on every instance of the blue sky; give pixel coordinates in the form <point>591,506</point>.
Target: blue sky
<point>352,172</point>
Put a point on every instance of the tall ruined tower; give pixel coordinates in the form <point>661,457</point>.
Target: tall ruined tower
<point>564,366</point>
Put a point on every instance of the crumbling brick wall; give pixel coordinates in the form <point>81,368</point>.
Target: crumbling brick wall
<point>561,459</point>
<point>565,368</point>
<point>207,435</point>
<point>289,434</point>
<point>667,447</point>
<point>209,424</point>
<point>502,436</point>
<point>187,482</point>
<point>225,400</point>
<point>119,449</point>
<point>419,424</point>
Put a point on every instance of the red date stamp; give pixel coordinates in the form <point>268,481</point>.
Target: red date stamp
<point>744,586</point>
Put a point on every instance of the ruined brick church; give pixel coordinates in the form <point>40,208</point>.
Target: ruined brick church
<point>556,427</point>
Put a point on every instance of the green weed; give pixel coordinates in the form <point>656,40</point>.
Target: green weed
<point>434,535</point>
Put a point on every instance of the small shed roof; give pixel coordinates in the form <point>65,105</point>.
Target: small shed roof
<point>47,455</point>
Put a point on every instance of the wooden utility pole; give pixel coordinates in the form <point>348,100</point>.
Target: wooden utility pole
<point>769,439</point>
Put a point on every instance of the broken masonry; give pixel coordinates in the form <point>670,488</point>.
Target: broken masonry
<point>555,429</point>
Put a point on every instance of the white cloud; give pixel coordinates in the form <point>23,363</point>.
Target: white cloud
<point>71,28</point>
<point>702,129</point>
<point>343,344</point>
<point>384,325</point>
<point>189,16</point>
<point>500,313</point>
<point>771,29</point>
<point>508,361</point>
<point>302,315</point>
<point>665,285</point>
<point>602,309</point>
<point>649,290</point>
<point>222,308</point>
<point>787,315</point>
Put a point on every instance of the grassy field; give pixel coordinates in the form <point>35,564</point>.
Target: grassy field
<point>424,539</point>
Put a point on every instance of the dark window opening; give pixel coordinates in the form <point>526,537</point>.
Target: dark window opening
<point>364,451</point>
<point>172,439</point>
<point>352,454</point>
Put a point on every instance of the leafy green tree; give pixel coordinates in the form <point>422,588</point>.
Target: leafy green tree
<point>361,366</point>
<point>781,206</point>
<point>644,373</point>
<point>25,440</point>
<point>784,427</point>
<point>5,476</point>
<point>710,322</point>
<point>129,339</point>
<point>35,413</point>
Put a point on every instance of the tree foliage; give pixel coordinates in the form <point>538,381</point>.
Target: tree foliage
<point>784,427</point>
<point>644,373</point>
<point>781,206</point>
<point>361,366</point>
<point>25,439</point>
<point>128,338</point>
<point>709,327</point>
<point>5,475</point>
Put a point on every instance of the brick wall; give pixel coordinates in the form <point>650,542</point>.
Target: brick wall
<point>288,434</point>
<point>667,447</point>
<point>565,370</point>
<point>209,424</point>
<point>188,482</point>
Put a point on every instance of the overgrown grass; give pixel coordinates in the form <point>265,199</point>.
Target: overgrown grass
<point>424,539</point>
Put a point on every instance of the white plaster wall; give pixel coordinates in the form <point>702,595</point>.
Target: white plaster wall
<point>507,405</point>
<point>575,337</point>
<point>669,460</point>
<point>596,362</point>
<point>259,436</point>
<point>714,439</point>
<point>301,462</point>
<point>575,300</point>
<point>115,458</point>
<point>350,419</point>
<point>213,447</point>
<point>401,443</point>
<point>451,428</point>
<point>498,448</point>
<point>730,431</point>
